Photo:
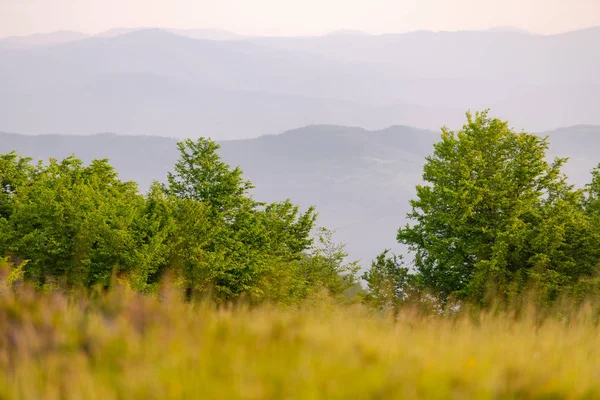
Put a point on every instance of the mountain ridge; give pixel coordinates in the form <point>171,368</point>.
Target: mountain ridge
<point>158,82</point>
<point>114,32</point>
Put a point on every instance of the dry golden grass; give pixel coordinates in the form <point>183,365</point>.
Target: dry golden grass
<point>127,346</point>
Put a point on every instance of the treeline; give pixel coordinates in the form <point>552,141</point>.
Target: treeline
<point>494,219</point>
<point>67,225</point>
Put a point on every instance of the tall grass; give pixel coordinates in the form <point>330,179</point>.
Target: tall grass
<point>123,345</point>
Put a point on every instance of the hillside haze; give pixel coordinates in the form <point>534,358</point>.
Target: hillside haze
<point>214,83</point>
<point>361,181</point>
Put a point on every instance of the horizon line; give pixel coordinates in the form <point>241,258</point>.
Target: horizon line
<point>349,32</point>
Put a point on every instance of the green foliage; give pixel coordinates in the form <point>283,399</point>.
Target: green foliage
<point>154,230</point>
<point>495,214</point>
<point>68,224</point>
<point>225,241</point>
<point>15,273</point>
<point>593,194</point>
<point>326,265</point>
<point>75,222</point>
<point>14,174</point>
<point>200,175</point>
<point>387,280</point>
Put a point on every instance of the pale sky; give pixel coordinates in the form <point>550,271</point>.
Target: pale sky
<point>296,17</point>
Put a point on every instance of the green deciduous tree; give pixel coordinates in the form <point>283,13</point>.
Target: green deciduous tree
<point>15,172</point>
<point>74,221</point>
<point>74,225</point>
<point>495,213</point>
<point>228,242</point>
<point>155,231</point>
<point>387,280</point>
<point>201,175</point>
<point>325,265</point>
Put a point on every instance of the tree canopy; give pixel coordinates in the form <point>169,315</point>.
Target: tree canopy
<point>78,225</point>
<point>494,214</point>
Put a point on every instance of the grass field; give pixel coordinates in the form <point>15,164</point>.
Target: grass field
<point>127,346</point>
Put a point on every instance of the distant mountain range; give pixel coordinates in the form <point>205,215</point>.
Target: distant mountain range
<point>42,39</point>
<point>361,181</point>
<point>63,37</point>
<point>193,83</point>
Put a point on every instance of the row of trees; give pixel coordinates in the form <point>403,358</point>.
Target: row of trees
<point>494,217</point>
<point>74,225</point>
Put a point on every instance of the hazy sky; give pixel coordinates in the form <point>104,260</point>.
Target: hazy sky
<point>296,17</point>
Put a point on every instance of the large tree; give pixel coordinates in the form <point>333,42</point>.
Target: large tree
<point>226,241</point>
<point>495,213</point>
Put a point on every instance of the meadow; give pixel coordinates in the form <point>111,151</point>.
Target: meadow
<point>125,345</point>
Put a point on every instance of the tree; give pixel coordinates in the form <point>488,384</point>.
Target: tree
<point>227,242</point>
<point>494,213</point>
<point>74,223</point>
<point>154,230</point>
<point>201,175</point>
<point>325,265</point>
<point>387,280</point>
<point>288,232</point>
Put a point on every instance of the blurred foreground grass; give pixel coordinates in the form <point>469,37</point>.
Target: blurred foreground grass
<point>128,346</point>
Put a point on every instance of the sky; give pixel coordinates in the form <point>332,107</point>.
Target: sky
<point>296,17</point>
